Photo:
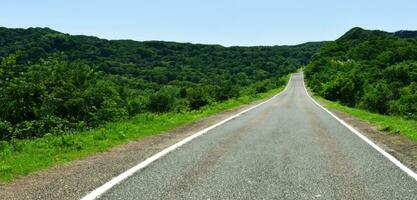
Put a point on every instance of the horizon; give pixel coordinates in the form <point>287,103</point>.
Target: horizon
<point>183,42</point>
<point>202,43</point>
<point>231,23</point>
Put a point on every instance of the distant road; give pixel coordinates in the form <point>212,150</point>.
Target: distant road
<point>288,148</point>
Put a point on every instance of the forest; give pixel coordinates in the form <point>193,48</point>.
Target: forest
<point>372,70</point>
<point>55,83</point>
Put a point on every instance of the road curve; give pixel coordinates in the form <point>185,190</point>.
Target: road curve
<point>288,148</point>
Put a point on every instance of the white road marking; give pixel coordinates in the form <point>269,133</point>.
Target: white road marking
<point>376,147</point>
<point>118,179</point>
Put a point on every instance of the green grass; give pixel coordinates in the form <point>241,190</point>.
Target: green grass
<point>390,124</point>
<point>21,157</point>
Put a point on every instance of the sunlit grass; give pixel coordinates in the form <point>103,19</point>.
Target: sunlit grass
<point>22,157</point>
<point>391,124</point>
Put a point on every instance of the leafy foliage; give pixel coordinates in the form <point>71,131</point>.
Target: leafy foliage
<point>52,82</point>
<point>374,70</point>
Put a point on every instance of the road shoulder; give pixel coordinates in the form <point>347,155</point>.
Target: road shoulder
<point>75,179</point>
<point>399,146</point>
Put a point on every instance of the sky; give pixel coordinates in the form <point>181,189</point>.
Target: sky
<point>225,22</point>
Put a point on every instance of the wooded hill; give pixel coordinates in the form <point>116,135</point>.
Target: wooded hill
<point>373,70</point>
<point>51,82</point>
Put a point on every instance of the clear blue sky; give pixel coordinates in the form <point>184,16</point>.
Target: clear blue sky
<point>226,22</point>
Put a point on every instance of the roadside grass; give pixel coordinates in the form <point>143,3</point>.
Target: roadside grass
<point>390,124</point>
<point>21,157</point>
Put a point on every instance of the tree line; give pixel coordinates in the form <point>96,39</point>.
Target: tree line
<point>51,82</point>
<point>372,70</point>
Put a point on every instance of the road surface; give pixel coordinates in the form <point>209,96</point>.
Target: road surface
<point>288,148</point>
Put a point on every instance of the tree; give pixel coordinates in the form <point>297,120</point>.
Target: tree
<point>374,70</point>
<point>53,82</point>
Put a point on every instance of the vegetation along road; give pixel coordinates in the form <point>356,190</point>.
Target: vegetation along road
<point>287,148</point>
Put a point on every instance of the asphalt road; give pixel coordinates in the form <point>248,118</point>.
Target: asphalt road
<point>288,148</point>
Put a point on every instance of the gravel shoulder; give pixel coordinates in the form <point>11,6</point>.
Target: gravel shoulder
<point>75,179</point>
<point>399,146</point>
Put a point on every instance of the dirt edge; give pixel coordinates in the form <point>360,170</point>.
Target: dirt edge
<point>399,146</point>
<point>75,179</point>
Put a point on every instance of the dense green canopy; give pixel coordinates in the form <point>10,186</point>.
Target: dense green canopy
<point>52,82</point>
<point>374,70</point>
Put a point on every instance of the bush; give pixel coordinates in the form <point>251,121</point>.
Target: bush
<point>52,82</point>
<point>407,104</point>
<point>263,86</point>
<point>6,130</point>
<point>374,70</point>
<point>225,91</point>
<point>137,104</point>
<point>341,89</point>
<point>376,97</point>
<point>163,100</point>
<point>198,97</point>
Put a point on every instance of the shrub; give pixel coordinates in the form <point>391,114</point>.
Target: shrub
<point>198,97</point>
<point>163,100</point>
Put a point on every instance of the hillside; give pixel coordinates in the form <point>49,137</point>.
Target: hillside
<point>372,70</point>
<point>53,82</point>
